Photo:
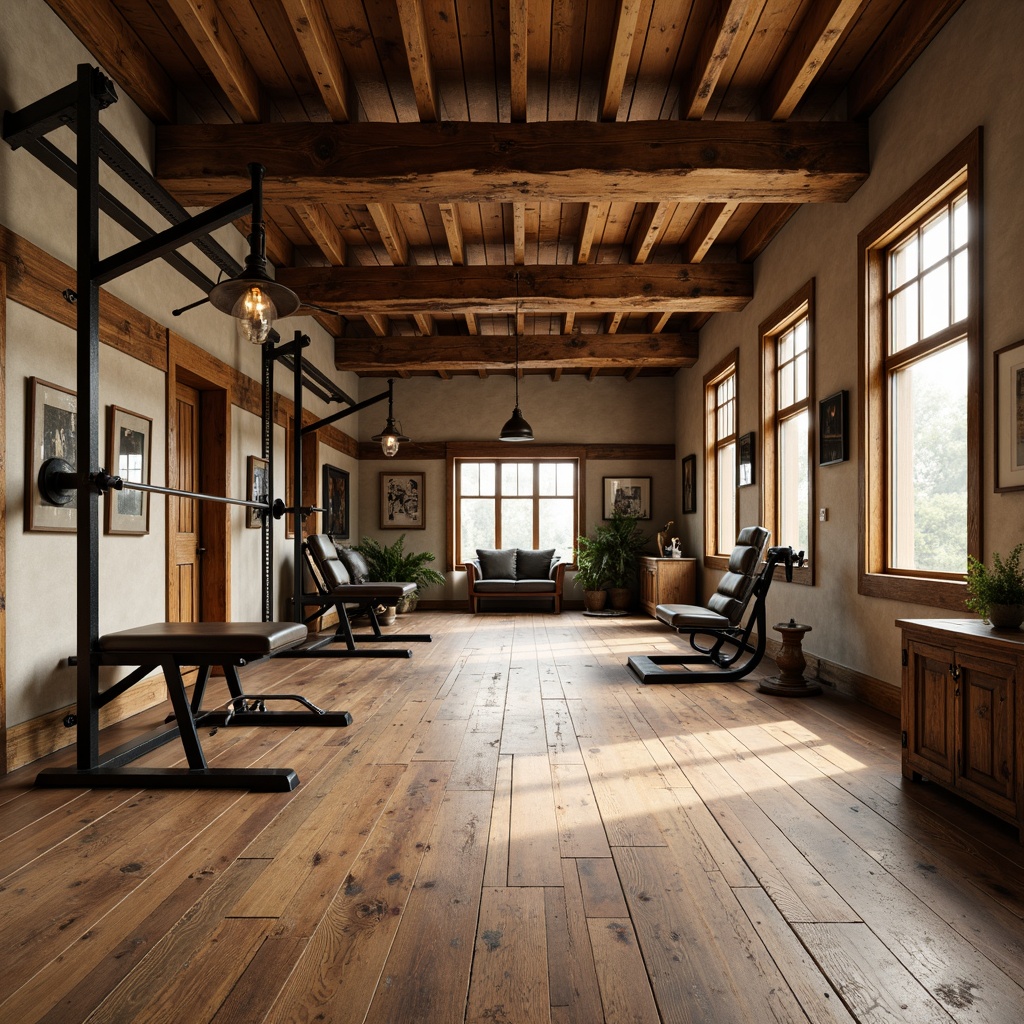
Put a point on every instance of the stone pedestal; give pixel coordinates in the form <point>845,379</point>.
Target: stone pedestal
<point>790,681</point>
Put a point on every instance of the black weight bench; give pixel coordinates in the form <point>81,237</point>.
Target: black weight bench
<point>341,583</point>
<point>169,646</point>
<point>730,654</point>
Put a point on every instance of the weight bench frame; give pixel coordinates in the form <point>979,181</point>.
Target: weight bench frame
<point>730,652</point>
<point>230,647</point>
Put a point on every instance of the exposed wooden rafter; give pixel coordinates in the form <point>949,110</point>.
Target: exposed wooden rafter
<point>720,34</point>
<point>316,41</point>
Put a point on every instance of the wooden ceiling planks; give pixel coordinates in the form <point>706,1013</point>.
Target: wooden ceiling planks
<point>407,63</point>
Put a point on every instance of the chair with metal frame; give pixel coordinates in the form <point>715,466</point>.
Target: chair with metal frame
<point>336,589</point>
<point>731,655</point>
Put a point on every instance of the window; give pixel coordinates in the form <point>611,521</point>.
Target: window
<point>921,377</point>
<point>720,462</point>
<point>506,503</point>
<point>787,404</point>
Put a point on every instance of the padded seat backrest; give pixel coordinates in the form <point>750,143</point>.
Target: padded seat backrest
<point>736,586</point>
<point>325,561</point>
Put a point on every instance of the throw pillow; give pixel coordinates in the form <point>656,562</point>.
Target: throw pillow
<point>356,565</point>
<point>497,565</point>
<point>534,565</point>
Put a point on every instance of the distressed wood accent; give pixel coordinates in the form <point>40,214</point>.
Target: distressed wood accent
<point>36,279</point>
<point>536,352</point>
<point>391,234</point>
<point>766,224</point>
<point>323,231</point>
<point>631,452</point>
<point>518,234</point>
<point>592,213</point>
<point>453,231</point>
<point>417,51</point>
<point>721,33</point>
<point>710,224</point>
<point>412,450</point>
<point>378,324</point>
<point>316,40</point>
<point>618,60</point>
<point>648,230</point>
<point>114,43</point>
<point>395,291</point>
<point>209,32</point>
<point>3,522</point>
<point>638,161</point>
<point>519,35</point>
<point>914,26</point>
<point>818,36</point>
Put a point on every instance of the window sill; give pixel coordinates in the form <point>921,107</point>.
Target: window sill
<point>948,594</point>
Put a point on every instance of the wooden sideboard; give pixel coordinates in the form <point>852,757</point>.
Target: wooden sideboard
<point>667,581</point>
<point>962,717</point>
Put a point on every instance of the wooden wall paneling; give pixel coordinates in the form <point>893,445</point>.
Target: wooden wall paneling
<point>216,518</point>
<point>3,521</point>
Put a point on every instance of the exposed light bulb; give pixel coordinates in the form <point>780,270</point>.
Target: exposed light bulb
<point>255,313</point>
<point>389,445</point>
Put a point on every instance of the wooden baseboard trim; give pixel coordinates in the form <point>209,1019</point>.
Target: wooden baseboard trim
<point>874,692</point>
<point>31,740</point>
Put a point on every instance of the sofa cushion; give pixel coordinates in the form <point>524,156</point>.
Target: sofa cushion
<point>533,565</point>
<point>535,586</point>
<point>497,564</point>
<point>495,586</point>
<point>358,570</point>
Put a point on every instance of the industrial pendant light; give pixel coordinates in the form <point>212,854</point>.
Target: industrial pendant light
<point>390,438</point>
<point>253,297</point>
<point>516,428</point>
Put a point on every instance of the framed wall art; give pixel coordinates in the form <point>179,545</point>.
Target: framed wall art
<point>130,437</point>
<point>628,495</point>
<point>833,425</point>
<point>335,517</point>
<point>52,433</point>
<point>689,485</point>
<point>259,489</point>
<point>1009,417</point>
<point>745,460</point>
<point>402,501</point>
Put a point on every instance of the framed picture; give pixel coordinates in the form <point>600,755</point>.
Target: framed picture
<point>745,460</point>
<point>129,439</point>
<point>833,424</point>
<point>52,433</point>
<point>335,520</point>
<point>402,501</point>
<point>1009,417</point>
<point>689,485</point>
<point>630,495</point>
<point>259,489</point>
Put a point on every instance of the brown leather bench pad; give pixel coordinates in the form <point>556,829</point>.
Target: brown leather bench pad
<point>252,638</point>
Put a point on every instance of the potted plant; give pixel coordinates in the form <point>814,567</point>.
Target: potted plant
<point>590,573</point>
<point>391,563</point>
<point>997,594</point>
<point>622,541</point>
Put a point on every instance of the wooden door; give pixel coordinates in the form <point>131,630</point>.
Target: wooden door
<point>184,518</point>
<point>928,711</point>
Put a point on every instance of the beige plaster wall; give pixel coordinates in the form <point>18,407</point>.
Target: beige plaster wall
<point>969,76</point>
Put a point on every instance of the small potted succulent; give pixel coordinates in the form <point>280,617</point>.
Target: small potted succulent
<point>997,594</point>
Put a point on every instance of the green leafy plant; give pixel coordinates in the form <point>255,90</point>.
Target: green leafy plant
<point>590,568</point>
<point>391,563</point>
<point>1002,584</point>
<point>621,540</point>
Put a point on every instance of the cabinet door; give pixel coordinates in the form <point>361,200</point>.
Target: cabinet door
<point>928,711</point>
<point>648,584</point>
<point>986,694</point>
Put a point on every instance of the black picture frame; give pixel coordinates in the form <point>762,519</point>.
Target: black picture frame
<point>628,494</point>
<point>745,475</point>
<point>129,446</point>
<point>337,501</point>
<point>689,479</point>
<point>833,429</point>
<point>52,433</point>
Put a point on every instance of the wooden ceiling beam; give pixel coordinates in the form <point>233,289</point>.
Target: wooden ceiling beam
<point>497,352</point>
<point>618,59</point>
<point>205,25</point>
<point>548,289</point>
<point>592,213</point>
<point>421,69</point>
<point>519,233</point>
<point>390,230</point>
<point>651,223</point>
<point>114,43</point>
<point>912,28</point>
<point>316,41</point>
<point>819,34</point>
<point>518,66</point>
<point>323,231</point>
<point>710,224</point>
<point>453,231</point>
<point>573,161</point>
<point>765,225</point>
<point>720,34</point>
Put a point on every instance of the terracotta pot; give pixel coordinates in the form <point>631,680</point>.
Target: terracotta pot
<point>1006,616</point>
<point>594,600</point>
<point>620,598</point>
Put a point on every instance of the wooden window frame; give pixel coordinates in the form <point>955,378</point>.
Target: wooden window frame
<point>500,452</point>
<point>794,309</point>
<point>962,166</point>
<point>714,559</point>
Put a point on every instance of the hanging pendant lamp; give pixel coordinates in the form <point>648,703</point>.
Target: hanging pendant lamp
<point>516,428</point>
<point>390,437</point>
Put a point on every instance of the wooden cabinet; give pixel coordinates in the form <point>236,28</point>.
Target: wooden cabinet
<point>963,718</point>
<point>667,581</point>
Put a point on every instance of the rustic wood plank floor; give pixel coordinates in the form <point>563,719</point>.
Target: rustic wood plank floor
<point>515,831</point>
